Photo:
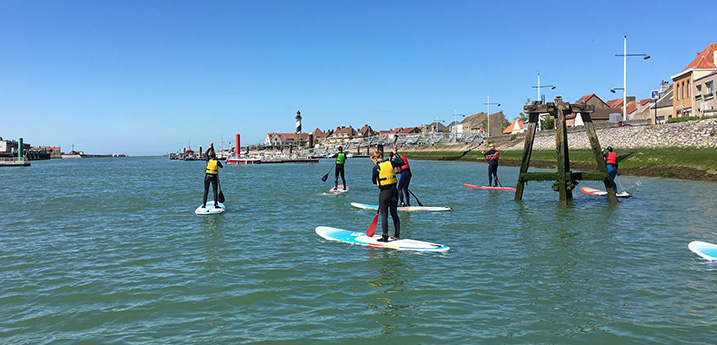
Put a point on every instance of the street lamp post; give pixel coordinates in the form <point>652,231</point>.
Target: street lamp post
<point>488,115</point>
<point>540,99</point>
<point>455,122</point>
<point>624,76</point>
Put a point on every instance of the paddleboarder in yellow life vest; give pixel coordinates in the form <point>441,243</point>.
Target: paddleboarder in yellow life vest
<point>611,162</point>
<point>340,161</point>
<point>211,176</point>
<point>492,157</point>
<point>385,178</point>
<point>405,177</point>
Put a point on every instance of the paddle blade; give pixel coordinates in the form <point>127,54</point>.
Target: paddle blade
<point>325,177</point>
<point>372,227</point>
<point>220,197</point>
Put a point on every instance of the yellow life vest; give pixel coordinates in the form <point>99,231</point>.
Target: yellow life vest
<point>212,167</point>
<point>386,174</point>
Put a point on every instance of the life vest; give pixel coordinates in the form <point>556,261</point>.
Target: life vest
<point>212,167</point>
<point>386,175</point>
<point>341,158</point>
<point>611,158</point>
<point>405,164</point>
<point>493,157</point>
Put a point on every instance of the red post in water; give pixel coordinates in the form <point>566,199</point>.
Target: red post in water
<point>237,148</point>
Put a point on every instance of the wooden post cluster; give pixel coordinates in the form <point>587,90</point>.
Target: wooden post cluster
<point>566,179</point>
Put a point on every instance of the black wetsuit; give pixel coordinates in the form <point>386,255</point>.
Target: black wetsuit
<point>214,180</point>
<point>340,171</point>
<point>388,202</point>
<point>492,156</point>
<point>403,182</point>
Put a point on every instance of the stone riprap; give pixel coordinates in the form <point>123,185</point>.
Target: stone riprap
<point>701,134</point>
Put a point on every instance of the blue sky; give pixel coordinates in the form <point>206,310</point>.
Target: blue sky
<point>150,77</point>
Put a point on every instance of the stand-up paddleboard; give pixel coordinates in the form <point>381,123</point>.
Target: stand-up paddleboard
<point>488,187</point>
<point>360,238</point>
<point>404,208</point>
<point>339,190</point>
<point>597,192</point>
<point>210,209</point>
<point>704,249</point>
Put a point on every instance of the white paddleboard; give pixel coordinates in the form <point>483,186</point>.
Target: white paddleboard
<point>704,249</point>
<point>360,238</point>
<point>339,190</point>
<point>404,208</point>
<point>597,192</point>
<point>210,209</point>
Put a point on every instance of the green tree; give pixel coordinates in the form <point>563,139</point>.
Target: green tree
<point>547,123</point>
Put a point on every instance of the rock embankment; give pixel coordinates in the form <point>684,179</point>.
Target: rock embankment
<point>701,134</point>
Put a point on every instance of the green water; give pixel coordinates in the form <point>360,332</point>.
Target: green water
<point>109,251</point>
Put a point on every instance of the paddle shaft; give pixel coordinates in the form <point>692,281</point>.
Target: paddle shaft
<point>327,174</point>
<point>414,195</point>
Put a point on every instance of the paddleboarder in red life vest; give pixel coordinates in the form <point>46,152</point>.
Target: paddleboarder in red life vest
<point>385,178</point>
<point>211,176</point>
<point>611,162</point>
<point>340,162</point>
<point>492,157</point>
<point>405,176</point>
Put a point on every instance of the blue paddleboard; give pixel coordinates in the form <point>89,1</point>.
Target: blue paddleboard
<point>360,238</point>
<point>704,249</point>
<point>210,209</point>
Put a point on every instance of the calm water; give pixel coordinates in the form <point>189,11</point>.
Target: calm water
<point>109,251</point>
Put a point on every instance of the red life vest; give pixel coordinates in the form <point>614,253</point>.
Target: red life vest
<point>405,164</point>
<point>493,157</point>
<point>611,158</point>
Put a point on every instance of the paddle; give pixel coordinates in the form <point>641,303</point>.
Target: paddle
<point>497,180</point>
<point>327,174</point>
<point>414,195</point>
<point>372,227</point>
<point>220,197</point>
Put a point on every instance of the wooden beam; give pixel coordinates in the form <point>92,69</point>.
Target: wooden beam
<point>533,119</point>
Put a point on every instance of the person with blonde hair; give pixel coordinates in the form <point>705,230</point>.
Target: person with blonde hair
<point>384,177</point>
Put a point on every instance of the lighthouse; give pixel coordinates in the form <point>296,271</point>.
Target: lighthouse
<point>298,122</point>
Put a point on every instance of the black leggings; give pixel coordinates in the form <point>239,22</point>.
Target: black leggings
<point>388,200</point>
<point>403,186</point>
<point>492,172</point>
<point>213,179</point>
<point>339,170</point>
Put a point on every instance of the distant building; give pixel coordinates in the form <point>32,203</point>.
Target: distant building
<point>286,139</point>
<point>705,95</point>
<point>366,132</point>
<point>684,82</point>
<point>341,134</point>
<point>517,126</point>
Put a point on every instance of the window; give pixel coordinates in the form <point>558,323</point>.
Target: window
<point>677,94</point>
<point>709,88</point>
<point>698,94</point>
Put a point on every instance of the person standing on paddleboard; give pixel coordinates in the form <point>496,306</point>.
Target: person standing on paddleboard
<point>492,157</point>
<point>211,176</point>
<point>340,161</point>
<point>405,179</point>
<point>611,162</point>
<point>385,178</point>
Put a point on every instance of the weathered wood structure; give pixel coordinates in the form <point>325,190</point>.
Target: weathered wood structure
<point>566,179</point>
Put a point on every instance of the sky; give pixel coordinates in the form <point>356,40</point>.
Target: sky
<point>151,77</point>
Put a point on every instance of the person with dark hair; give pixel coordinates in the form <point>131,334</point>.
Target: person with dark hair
<point>211,176</point>
<point>611,162</point>
<point>405,177</point>
<point>384,177</point>
<point>340,161</point>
